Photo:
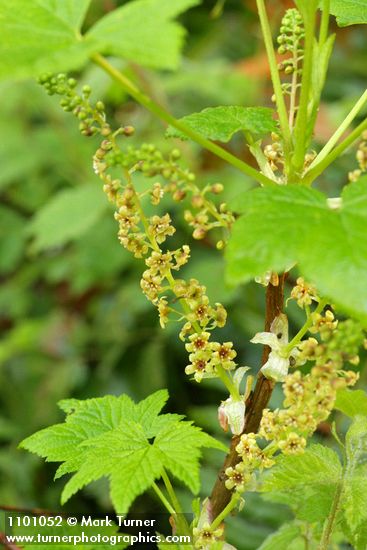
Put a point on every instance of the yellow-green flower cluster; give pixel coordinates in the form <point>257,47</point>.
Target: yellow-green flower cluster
<point>205,355</point>
<point>361,159</point>
<point>274,153</point>
<point>238,478</point>
<point>324,324</point>
<point>204,214</point>
<point>241,476</point>
<point>309,397</point>
<point>304,293</point>
<point>340,342</point>
<point>145,236</point>
<point>251,454</point>
<point>308,401</point>
<point>205,536</point>
<point>290,42</point>
<point>130,234</point>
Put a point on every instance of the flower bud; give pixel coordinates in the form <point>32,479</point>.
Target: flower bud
<point>217,188</point>
<point>128,130</point>
<point>197,201</point>
<point>199,233</point>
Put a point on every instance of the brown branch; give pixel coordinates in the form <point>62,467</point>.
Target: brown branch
<point>256,403</point>
<point>6,544</point>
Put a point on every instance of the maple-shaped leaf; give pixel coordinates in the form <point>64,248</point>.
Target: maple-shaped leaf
<point>130,444</point>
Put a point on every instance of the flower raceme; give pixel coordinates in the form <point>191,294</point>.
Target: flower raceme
<point>145,236</point>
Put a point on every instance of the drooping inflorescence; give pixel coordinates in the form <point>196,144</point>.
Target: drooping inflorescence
<point>145,235</point>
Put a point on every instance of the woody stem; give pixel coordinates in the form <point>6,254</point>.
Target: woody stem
<point>257,402</point>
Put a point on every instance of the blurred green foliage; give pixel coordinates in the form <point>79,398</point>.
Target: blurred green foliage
<point>73,322</point>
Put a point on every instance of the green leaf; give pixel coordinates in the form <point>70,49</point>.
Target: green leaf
<point>349,12</point>
<point>125,456</point>
<point>282,225</point>
<point>70,11</point>
<point>180,445</point>
<point>305,482</point>
<point>46,37</point>
<point>220,123</point>
<point>321,58</point>
<point>143,31</point>
<point>355,499</point>
<point>85,420</point>
<point>356,442</point>
<point>355,485</point>
<point>67,216</point>
<point>357,539</point>
<point>128,443</point>
<point>41,36</point>
<point>317,466</point>
<point>287,536</point>
<point>351,402</point>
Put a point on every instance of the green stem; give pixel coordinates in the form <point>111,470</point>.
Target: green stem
<point>226,511</point>
<point>335,153</point>
<point>330,523</point>
<point>227,381</point>
<point>324,25</point>
<point>180,518</point>
<point>258,154</point>
<point>277,85</point>
<point>168,506</point>
<point>171,492</point>
<point>340,131</point>
<point>301,130</point>
<point>308,311</point>
<point>169,509</point>
<point>300,334</point>
<point>161,113</point>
